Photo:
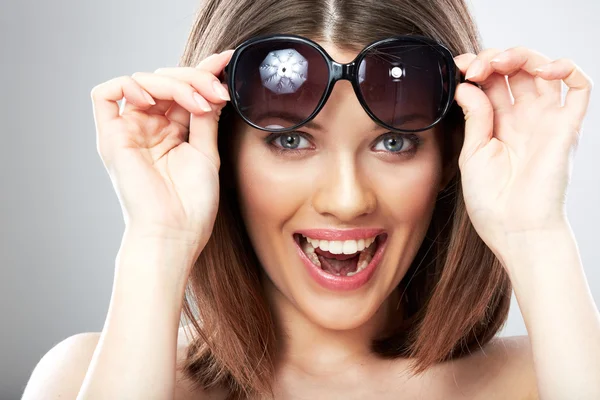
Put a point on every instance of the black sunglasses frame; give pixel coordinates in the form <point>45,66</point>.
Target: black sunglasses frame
<point>349,71</point>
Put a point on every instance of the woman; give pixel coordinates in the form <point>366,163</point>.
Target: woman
<point>369,250</point>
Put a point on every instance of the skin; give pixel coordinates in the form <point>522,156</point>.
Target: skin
<point>328,334</point>
<point>338,181</point>
<point>518,213</point>
<point>514,179</point>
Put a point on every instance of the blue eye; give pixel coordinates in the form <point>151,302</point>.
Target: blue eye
<point>398,143</point>
<point>289,141</point>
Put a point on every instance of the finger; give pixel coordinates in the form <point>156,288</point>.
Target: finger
<point>203,133</point>
<point>215,63</point>
<point>106,95</point>
<point>204,82</point>
<point>178,114</point>
<point>519,63</point>
<point>168,88</point>
<point>182,116</point>
<point>478,69</point>
<point>479,119</point>
<point>204,128</point>
<point>196,77</point>
<point>463,61</point>
<point>579,84</point>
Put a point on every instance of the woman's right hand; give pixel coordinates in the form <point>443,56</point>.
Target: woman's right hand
<point>163,159</point>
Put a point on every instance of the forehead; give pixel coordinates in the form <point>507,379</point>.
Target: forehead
<point>339,54</point>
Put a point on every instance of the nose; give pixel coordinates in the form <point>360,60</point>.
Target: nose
<point>344,192</point>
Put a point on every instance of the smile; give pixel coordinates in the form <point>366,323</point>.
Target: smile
<point>341,264</point>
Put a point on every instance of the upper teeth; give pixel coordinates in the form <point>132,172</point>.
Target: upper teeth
<point>341,247</point>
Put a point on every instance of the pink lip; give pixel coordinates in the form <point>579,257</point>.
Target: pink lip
<point>337,234</point>
<point>342,283</point>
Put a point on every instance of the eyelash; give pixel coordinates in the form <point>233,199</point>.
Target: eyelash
<point>414,139</point>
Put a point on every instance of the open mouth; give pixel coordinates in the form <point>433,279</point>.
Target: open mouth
<point>355,259</point>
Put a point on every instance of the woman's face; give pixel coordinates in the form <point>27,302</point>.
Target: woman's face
<point>344,173</point>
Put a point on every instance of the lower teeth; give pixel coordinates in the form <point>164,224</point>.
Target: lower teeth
<point>364,258</point>
<point>362,264</point>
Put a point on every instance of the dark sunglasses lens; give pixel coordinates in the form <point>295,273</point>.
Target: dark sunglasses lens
<point>405,84</point>
<point>279,83</point>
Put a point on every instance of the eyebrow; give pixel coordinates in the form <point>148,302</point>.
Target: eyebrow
<point>312,124</point>
<point>291,118</point>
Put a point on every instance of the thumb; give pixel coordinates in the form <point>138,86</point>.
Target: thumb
<point>203,127</point>
<point>203,132</point>
<point>479,119</point>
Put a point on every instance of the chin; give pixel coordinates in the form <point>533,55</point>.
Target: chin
<point>342,314</point>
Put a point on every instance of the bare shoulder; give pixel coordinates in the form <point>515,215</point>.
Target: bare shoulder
<point>61,371</point>
<point>502,369</point>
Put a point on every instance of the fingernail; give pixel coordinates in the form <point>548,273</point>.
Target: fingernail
<point>474,69</point>
<point>220,91</point>
<point>202,102</point>
<point>206,58</point>
<point>543,68</point>
<point>500,57</point>
<point>148,97</point>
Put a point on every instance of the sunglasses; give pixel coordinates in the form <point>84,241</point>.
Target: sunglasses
<point>278,83</point>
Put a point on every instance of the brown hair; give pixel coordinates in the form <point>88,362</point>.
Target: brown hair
<point>456,294</point>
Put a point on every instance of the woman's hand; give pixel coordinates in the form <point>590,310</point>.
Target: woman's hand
<point>160,148</point>
<point>516,158</point>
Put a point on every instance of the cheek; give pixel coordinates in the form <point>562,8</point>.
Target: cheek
<point>408,193</point>
<point>269,194</point>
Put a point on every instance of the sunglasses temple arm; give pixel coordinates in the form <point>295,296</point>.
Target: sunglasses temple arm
<point>224,74</point>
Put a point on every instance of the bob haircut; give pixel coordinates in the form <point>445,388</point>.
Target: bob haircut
<point>455,294</point>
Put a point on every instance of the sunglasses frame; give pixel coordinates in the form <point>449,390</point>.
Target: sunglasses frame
<point>349,71</point>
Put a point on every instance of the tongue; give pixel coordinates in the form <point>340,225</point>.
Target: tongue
<point>342,267</point>
<point>335,256</point>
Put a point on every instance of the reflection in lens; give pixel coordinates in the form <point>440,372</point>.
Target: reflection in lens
<point>279,77</point>
<point>403,86</point>
<point>361,71</point>
<point>284,71</point>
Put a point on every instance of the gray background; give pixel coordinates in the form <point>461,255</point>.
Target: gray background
<point>61,219</point>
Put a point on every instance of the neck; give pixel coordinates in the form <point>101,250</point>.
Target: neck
<point>315,350</point>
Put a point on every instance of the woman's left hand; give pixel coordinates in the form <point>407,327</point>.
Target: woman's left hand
<point>516,158</point>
